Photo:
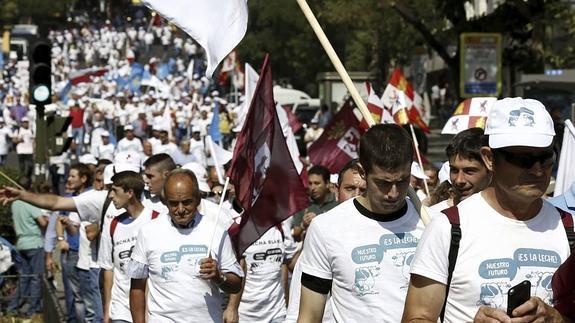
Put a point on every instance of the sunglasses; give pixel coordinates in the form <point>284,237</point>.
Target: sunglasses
<point>527,160</point>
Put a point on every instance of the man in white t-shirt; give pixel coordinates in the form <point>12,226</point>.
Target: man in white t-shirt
<point>350,184</point>
<point>165,146</point>
<point>183,275</point>
<point>117,242</point>
<point>129,142</point>
<point>24,140</point>
<point>508,232</point>
<point>106,148</point>
<point>5,141</point>
<point>361,250</point>
<point>467,171</point>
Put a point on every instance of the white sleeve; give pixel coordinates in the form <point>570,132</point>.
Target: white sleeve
<point>314,258</point>
<point>227,257</point>
<point>105,257</point>
<point>139,253</point>
<point>431,257</point>
<point>89,205</point>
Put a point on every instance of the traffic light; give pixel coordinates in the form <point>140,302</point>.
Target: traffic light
<point>57,129</point>
<point>40,73</point>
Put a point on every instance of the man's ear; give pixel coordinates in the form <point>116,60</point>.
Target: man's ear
<point>487,157</point>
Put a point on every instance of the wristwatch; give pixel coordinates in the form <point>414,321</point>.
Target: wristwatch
<point>60,238</point>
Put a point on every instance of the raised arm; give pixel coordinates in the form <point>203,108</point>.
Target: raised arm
<point>44,201</point>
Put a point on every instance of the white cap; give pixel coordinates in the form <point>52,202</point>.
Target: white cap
<point>128,128</point>
<point>443,173</point>
<point>88,159</point>
<point>105,133</point>
<point>201,175</point>
<point>128,157</point>
<point>417,171</point>
<point>196,129</point>
<point>113,169</point>
<point>519,122</point>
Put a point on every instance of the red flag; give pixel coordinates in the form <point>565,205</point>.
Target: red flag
<point>86,75</point>
<point>294,122</point>
<point>267,183</point>
<point>339,141</point>
<point>374,105</point>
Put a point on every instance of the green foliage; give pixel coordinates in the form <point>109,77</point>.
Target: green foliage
<point>32,11</point>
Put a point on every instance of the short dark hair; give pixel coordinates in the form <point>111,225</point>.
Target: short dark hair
<point>190,175</point>
<point>321,171</point>
<point>387,146</point>
<point>162,161</point>
<point>129,180</point>
<point>83,170</point>
<point>352,165</point>
<point>467,144</point>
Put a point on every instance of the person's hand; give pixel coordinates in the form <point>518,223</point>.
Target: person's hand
<point>106,318</point>
<point>9,194</point>
<point>63,245</point>
<point>209,270</point>
<point>231,316</point>
<point>491,315</point>
<point>50,265</point>
<point>535,310</point>
<point>307,217</point>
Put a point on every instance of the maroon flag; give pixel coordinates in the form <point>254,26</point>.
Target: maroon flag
<point>267,183</point>
<point>339,141</point>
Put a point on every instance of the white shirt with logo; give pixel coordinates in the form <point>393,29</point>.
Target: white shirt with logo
<point>115,254</point>
<point>495,254</point>
<point>263,296</point>
<point>368,261</point>
<point>176,292</point>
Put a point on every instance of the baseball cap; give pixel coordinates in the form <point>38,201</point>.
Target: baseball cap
<point>88,159</point>
<point>196,129</point>
<point>105,133</point>
<point>519,122</point>
<point>417,171</point>
<point>201,175</point>
<point>128,157</point>
<point>112,169</point>
<point>25,119</point>
<point>128,128</point>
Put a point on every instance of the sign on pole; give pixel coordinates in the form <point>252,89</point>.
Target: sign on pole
<point>480,65</point>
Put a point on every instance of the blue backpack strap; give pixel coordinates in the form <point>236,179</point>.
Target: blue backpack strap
<point>452,214</point>
<point>567,220</point>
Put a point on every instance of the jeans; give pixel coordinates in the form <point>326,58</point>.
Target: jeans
<point>78,135</point>
<point>74,304</point>
<point>29,289</point>
<point>91,294</point>
<point>26,164</point>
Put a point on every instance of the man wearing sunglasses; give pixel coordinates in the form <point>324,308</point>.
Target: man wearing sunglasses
<point>508,232</point>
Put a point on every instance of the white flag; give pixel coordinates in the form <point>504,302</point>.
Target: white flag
<point>566,171</point>
<point>217,25</point>
<point>220,156</point>
<point>251,82</point>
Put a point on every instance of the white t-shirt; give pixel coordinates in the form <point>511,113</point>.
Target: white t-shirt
<point>495,253</point>
<point>130,145</point>
<point>90,204</point>
<point>368,261</point>
<point>115,254</point>
<point>106,152</point>
<point>263,296</point>
<point>26,147</point>
<point>169,148</point>
<point>176,293</point>
<point>436,209</point>
<point>5,135</point>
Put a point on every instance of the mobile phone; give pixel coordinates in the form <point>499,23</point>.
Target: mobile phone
<point>517,295</point>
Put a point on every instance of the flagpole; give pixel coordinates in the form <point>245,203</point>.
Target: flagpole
<point>416,143</point>
<point>336,62</point>
<point>222,197</point>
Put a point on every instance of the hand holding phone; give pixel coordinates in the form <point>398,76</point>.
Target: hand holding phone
<point>517,295</point>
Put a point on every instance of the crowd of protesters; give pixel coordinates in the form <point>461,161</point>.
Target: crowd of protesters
<point>132,206</point>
